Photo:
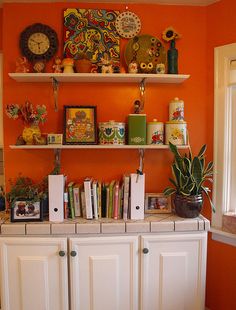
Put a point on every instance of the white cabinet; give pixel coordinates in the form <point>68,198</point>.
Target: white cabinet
<point>138,272</point>
<point>173,271</point>
<point>33,275</point>
<point>104,273</point>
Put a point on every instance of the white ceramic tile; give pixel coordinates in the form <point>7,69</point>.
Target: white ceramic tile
<point>162,226</point>
<point>13,229</point>
<point>63,229</point>
<point>207,224</point>
<point>38,229</point>
<point>201,225</point>
<point>113,228</point>
<point>138,227</point>
<point>88,228</point>
<point>186,225</point>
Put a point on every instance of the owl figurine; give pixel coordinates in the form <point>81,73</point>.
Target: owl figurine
<point>146,67</point>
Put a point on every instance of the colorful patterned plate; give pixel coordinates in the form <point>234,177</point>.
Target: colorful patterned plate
<point>128,24</point>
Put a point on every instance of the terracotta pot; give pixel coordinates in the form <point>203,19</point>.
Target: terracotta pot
<point>188,206</point>
<point>83,66</point>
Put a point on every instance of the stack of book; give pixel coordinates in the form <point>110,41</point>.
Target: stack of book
<point>93,199</point>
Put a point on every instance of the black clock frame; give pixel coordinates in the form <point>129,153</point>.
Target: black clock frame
<point>45,29</point>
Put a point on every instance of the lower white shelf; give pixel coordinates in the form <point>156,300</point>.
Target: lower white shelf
<point>96,146</point>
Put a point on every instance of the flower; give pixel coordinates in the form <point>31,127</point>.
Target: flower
<point>27,113</point>
<point>170,34</point>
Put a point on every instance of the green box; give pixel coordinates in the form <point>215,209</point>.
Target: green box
<point>137,129</point>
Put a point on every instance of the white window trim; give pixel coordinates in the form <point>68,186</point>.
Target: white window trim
<point>222,139</point>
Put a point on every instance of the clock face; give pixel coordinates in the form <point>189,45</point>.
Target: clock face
<point>38,42</point>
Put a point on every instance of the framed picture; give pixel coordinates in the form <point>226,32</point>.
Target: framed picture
<point>157,203</point>
<point>24,210</point>
<point>80,125</point>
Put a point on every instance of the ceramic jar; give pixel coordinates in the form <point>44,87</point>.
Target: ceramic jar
<point>155,132</point>
<point>111,133</point>
<point>176,132</point>
<point>176,110</point>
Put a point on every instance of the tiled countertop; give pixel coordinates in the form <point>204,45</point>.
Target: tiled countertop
<point>151,224</point>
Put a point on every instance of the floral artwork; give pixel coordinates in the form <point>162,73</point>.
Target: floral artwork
<point>91,32</point>
<point>29,114</point>
<point>80,125</point>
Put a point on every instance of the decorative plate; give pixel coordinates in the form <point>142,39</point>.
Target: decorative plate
<point>145,49</point>
<point>128,24</point>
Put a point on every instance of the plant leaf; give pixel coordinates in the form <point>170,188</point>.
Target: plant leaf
<point>206,190</point>
<point>197,170</point>
<point>169,191</point>
<point>202,151</point>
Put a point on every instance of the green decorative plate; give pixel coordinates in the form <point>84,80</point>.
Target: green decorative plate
<point>145,49</point>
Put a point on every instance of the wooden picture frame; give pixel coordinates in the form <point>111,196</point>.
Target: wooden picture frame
<point>157,203</point>
<point>25,210</point>
<point>80,125</point>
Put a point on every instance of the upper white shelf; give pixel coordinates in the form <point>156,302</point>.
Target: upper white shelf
<point>95,146</point>
<point>99,77</point>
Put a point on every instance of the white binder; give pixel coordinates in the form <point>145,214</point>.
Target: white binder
<point>56,184</point>
<point>137,195</point>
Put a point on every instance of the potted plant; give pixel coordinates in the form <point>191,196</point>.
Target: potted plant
<point>83,63</point>
<point>190,175</point>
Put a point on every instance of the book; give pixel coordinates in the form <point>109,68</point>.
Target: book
<point>110,205</point>
<point>88,198</point>
<point>116,200</point>
<point>71,199</point>
<point>107,199</point>
<point>77,199</point>
<point>104,200</point>
<point>66,205</point>
<point>99,194</point>
<point>95,199</point>
<point>83,205</point>
<point>126,186</point>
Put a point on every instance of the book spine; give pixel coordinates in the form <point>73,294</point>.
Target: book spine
<point>71,201</point>
<point>76,196</point>
<point>66,205</point>
<point>116,201</point>
<point>88,199</point>
<point>126,197</point>
<point>95,201</point>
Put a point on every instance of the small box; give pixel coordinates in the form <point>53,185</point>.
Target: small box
<point>137,129</point>
<point>54,138</point>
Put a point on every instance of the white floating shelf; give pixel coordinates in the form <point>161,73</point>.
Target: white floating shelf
<point>99,77</point>
<point>94,147</point>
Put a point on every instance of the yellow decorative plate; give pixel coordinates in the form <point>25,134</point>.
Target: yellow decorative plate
<point>145,49</point>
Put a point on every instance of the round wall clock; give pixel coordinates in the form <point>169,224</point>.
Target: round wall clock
<point>38,42</point>
<point>128,24</point>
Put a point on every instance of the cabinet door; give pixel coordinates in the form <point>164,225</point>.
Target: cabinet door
<point>173,272</point>
<point>33,275</point>
<point>104,273</point>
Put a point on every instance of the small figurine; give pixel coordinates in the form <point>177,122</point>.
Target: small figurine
<point>106,64</point>
<point>39,66</point>
<point>57,67</point>
<point>22,65</point>
<point>137,106</point>
<point>146,67</point>
<point>68,65</point>
<point>133,67</point>
<point>160,68</point>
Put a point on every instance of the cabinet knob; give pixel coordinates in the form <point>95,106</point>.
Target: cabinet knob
<point>73,253</point>
<point>62,253</point>
<point>145,250</point>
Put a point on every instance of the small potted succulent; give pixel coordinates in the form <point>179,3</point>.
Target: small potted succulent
<point>190,175</point>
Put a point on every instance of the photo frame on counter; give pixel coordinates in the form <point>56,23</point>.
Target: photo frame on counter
<point>157,203</point>
<point>25,210</point>
<point>80,125</point>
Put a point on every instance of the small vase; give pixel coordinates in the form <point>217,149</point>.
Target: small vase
<point>188,206</point>
<point>31,133</point>
<point>172,57</point>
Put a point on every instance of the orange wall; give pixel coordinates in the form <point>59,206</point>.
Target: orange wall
<point>113,101</point>
<point>1,21</point>
<point>221,274</point>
